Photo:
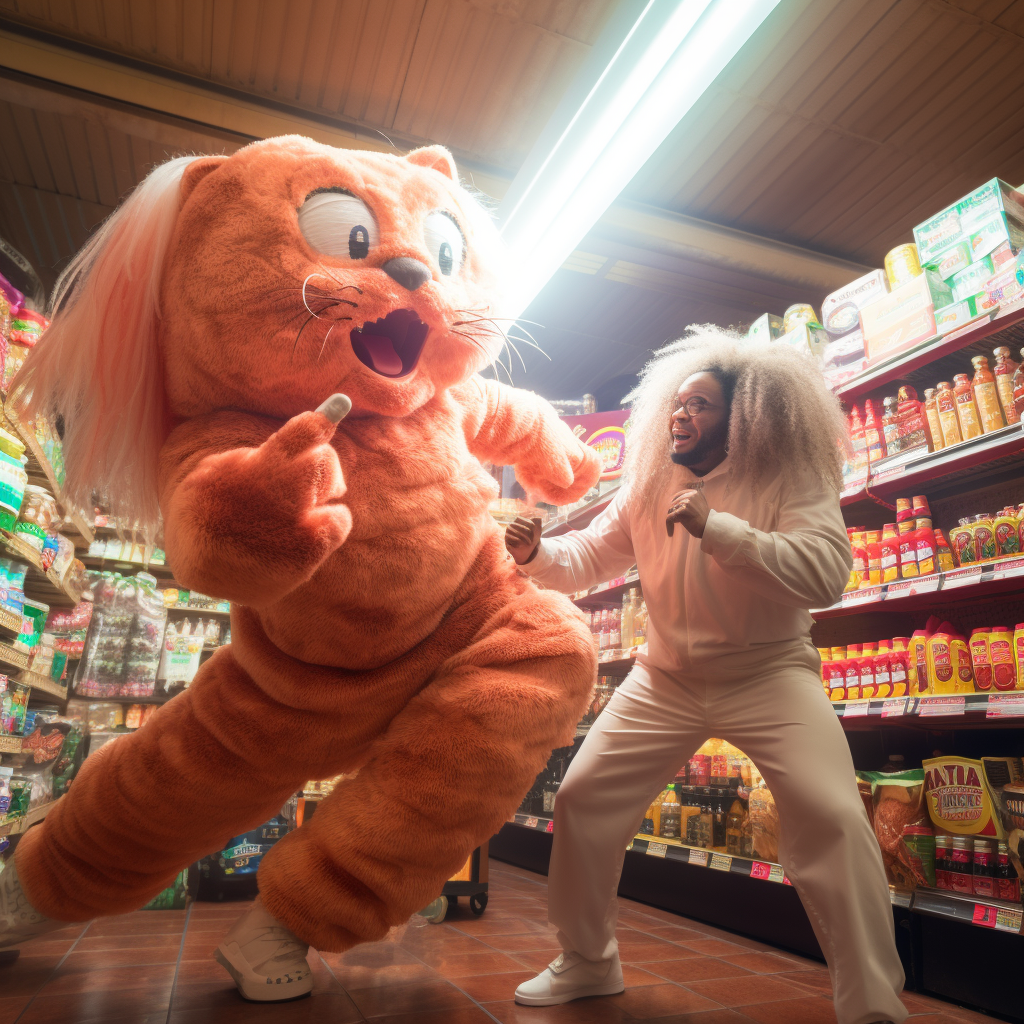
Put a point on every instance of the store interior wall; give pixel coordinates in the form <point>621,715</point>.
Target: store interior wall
<point>807,160</point>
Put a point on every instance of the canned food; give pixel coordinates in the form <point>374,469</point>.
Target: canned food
<point>797,314</point>
<point>902,265</point>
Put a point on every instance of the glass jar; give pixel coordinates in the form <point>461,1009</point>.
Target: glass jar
<point>960,870</point>
<point>984,868</point>
<point>942,862</point>
<point>1007,884</point>
<point>1004,370</point>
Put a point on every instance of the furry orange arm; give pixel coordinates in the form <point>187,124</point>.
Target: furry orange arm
<point>251,512</point>
<point>509,427</point>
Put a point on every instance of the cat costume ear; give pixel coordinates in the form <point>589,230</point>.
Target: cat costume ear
<point>98,365</point>
<point>435,157</point>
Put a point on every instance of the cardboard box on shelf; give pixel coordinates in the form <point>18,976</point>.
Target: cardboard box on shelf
<point>1004,287</point>
<point>951,261</point>
<point>805,338</point>
<point>836,375</point>
<point>840,312</point>
<point>953,317</point>
<point>991,202</point>
<point>847,349</point>
<point>765,328</point>
<point>971,280</point>
<point>905,317</point>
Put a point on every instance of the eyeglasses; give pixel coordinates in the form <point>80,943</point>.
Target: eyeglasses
<point>695,406</point>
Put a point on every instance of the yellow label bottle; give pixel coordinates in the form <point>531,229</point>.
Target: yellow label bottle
<point>941,675</point>
<point>931,408</point>
<point>966,408</point>
<point>945,401</point>
<point>987,396</point>
<point>963,672</point>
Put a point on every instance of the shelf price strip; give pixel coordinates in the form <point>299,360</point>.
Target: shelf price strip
<point>1000,918</point>
<point>928,707</point>
<point>767,872</point>
<point>1005,705</point>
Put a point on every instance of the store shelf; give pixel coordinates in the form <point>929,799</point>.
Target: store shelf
<point>43,684</point>
<point>581,517</point>
<point>618,662</point>
<point>900,365</point>
<point>10,623</point>
<point>10,744</point>
<point>19,825</point>
<point>40,584</point>
<point>157,698</point>
<point>199,611</point>
<point>998,914</point>
<point>161,572</point>
<point>997,452</point>
<point>607,593</point>
<point>13,658</point>
<point>969,583</point>
<point>934,711</point>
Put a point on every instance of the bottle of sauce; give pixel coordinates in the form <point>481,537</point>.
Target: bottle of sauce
<point>966,408</point>
<point>899,665</point>
<point>986,396</point>
<point>1018,388</point>
<point>874,439</point>
<point>940,664</point>
<point>960,656</point>
<point>980,660</point>
<point>671,814</point>
<point>984,874</point>
<point>873,543</point>
<point>1018,654</point>
<point>1004,370</point>
<point>984,538</point>
<point>890,552</point>
<point>858,442</point>
<point>1000,646</point>
<point>931,410</point>
<point>882,665</point>
<point>943,554</point>
<point>945,401</point>
<point>719,826</point>
<point>890,425</point>
<point>912,421</point>
<point>1005,530</point>
<point>1007,883</point>
<point>917,676</point>
<point>961,539</point>
<point>734,829</point>
<point>858,543</point>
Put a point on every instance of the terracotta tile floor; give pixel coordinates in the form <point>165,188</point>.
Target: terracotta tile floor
<point>155,967</point>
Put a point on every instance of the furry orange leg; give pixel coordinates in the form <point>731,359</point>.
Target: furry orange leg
<point>451,768</point>
<point>209,765</point>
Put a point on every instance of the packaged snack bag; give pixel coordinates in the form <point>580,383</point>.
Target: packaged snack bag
<point>957,798</point>
<point>764,822</point>
<point>1004,780</point>
<point>897,800</point>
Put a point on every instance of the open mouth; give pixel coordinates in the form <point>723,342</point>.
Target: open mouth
<point>392,345</point>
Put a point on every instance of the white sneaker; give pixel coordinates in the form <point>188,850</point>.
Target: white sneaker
<point>571,977</point>
<point>267,961</point>
<point>19,920</point>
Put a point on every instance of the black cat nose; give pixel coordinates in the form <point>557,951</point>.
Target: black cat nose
<point>409,273</point>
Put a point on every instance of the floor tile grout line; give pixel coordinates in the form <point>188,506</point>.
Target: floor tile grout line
<point>177,963</point>
<point>330,971</point>
<point>52,974</point>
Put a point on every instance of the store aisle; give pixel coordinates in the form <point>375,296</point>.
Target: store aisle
<point>156,967</point>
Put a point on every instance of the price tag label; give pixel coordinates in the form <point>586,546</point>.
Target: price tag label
<point>767,872</point>
<point>721,862</point>
<point>868,595</point>
<point>531,822</point>
<point>984,917</point>
<point>1007,568</point>
<point>550,827</point>
<point>699,857</point>
<point>1008,920</point>
<point>856,709</point>
<point>894,707</point>
<point>1005,705</point>
<point>656,849</point>
<point>966,577</point>
<point>786,881</point>
<point>930,707</point>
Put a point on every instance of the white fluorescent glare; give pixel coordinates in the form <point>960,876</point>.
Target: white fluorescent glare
<point>652,64</point>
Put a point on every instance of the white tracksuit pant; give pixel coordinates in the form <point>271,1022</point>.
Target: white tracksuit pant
<point>777,713</point>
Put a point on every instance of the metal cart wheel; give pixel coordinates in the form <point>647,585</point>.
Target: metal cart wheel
<point>478,903</point>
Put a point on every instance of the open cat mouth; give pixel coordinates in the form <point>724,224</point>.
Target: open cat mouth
<point>392,345</point>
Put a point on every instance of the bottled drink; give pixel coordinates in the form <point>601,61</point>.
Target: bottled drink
<point>734,829</point>
<point>986,396</point>
<point>931,409</point>
<point>626,621</point>
<point>615,628</point>
<point>945,400</point>
<point>671,814</point>
<point>647,826</point>
<point>718,826</point>
<point>606,631</point>
<point>1004,370</point>
<point>874,440</point>
<point>1018,389</point>
<point>966,407</point>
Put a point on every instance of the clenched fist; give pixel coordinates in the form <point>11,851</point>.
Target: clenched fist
<point>690,509</point>
<point>522,539</point>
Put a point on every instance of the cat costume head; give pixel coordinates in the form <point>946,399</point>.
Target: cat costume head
<point>263,282</point>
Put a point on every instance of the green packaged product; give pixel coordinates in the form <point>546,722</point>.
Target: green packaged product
<point>954,316</point>
<point>972,279</point>
<point>765,328</point>
<point>899,810</point>
<point>174,897</point>
<point>995,200</point>
<point>952,261</point>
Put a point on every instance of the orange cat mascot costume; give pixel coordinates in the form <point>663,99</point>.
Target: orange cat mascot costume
<point>203,347</point>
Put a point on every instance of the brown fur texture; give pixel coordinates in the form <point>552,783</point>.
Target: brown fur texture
<point>378,626</point>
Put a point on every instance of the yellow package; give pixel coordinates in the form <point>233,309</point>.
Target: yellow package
<point>958,801</point>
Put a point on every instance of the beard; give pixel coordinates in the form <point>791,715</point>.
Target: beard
<point>701,450</point>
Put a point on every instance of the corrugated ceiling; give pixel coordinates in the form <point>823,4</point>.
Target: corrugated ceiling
<point>838,127</point>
